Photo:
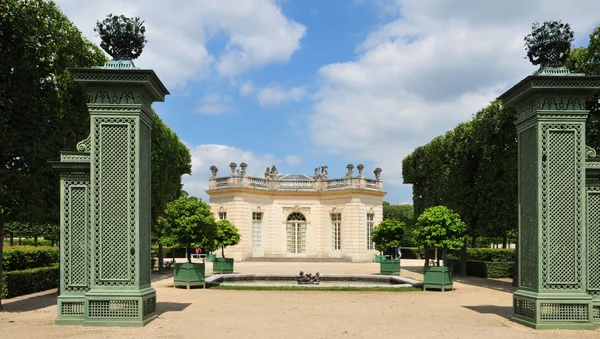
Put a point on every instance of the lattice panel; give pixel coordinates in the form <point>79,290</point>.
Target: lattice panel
<point>76,234</point>
<point>149,305</point>
<point>524,308</point>
<point>72,308</point>
<point>113,309</point>
<point>78,227</point>
<point>562,182</point>
<point>596,312</point>
<point>145,222</point>
<point>593,237</point>
<point>564,312</point>
<point>528,184</point>
<point>114,184</point>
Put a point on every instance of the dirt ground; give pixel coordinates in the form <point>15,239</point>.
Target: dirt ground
<point>477,308</point>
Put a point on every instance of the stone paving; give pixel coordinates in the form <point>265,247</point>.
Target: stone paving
<point>476,308</point>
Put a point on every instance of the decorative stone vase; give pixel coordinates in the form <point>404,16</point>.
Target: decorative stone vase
<point>223,265</point>
<point>189,274</point>
<point>389,266</point>
<point>211,257</point>
<point>380,258</point>
<point>437,277</point>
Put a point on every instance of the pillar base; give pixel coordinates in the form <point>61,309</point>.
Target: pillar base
<point>559,310</point>
<point>71,309</point>
<point>122,308</point>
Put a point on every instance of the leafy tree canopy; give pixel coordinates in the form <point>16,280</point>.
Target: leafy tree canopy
<point>227,235</point>
<point>388,235</point>
<point>439,227</point>
<point>188,222</point>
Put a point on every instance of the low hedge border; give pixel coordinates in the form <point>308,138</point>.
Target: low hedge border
<point>17,283</point>
<point>486,254</point>
<point>485,269</point>
<point>27,257</point>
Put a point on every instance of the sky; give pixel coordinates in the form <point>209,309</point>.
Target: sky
<point>306,83</point>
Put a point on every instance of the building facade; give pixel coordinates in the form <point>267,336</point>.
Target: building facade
<point>299,216</point>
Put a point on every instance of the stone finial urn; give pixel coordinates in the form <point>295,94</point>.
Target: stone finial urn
<point>243,166</point>
<point>360,168</point>
<point>214,170</point>
<point>233,165</point>
<point>377,173</point>
<point>350,168</point>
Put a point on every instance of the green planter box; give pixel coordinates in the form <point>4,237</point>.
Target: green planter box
<point>379,258</point>
<point>438,277</point>
<point>390,267</point>
<point>189,274</point>
<point>211,257</point>
<point>223,265</point>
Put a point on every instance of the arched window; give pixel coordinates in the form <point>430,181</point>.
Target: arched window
<point>296,233</point>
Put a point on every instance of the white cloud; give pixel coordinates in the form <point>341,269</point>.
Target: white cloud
<point>246,88</point>
<point>215,104</point>
<point>275,95</point>
<point>420,75</point>
<point>257,33</point>
<point>293,160</point>
<point>206,155</point>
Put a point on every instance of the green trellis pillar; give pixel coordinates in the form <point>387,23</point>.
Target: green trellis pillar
<point>119,291</point>
<point>553,272</point>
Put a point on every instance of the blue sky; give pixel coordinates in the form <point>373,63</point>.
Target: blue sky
<point>305,83</point>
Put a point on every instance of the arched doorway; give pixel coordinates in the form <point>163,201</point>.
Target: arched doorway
<point>296,233</point>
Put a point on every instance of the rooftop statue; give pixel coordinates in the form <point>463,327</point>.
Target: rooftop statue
<point>549,44</point>
<point>122,37</point>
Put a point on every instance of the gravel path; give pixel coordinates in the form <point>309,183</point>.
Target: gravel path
<point>477,308</point>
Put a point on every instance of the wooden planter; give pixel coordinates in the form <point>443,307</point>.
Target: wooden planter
<point>389,267</point>
<point>438,277</point>
<point>189,274</point>
<point>223,265</point>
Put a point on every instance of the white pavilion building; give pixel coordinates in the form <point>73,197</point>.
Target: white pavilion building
<point>299,216</point>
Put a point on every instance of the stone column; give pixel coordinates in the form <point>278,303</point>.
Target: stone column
<point>552,281</point>
<point>120,121</point>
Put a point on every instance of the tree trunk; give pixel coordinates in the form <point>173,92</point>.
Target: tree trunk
<point>474,241</point>
<point>1,254</point>
<point>187,254</point>
<point>437,259</point>
<point>504,240</point>
<point>12,238</point>
<point>463,259</point>
<point>161,260</point>
<point>35,240</point>
<point>173,255</point>
<point>223,251</point>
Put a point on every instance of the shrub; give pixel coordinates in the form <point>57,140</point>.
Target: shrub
<point>487,254</point>
<point>486,269</point>
<point>26,257</point>
<point>40,242</point>
<point>16,283</point>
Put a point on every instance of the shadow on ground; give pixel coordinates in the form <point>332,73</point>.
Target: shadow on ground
<point>498,285</point>
<point>31,304</point>
<point>164,307</point>
<point>503,311</point>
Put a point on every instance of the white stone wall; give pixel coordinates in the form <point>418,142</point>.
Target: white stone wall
<point>316,207</point>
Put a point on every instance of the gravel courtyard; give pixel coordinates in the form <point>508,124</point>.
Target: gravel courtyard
<point>477,308</point>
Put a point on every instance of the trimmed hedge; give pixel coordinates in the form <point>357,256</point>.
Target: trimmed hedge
<point>485,269</point>
<point>26,257</point>
<point>33,280</point>
<point>486,254</point>
<point>167,252</point>
<point>40,242</point>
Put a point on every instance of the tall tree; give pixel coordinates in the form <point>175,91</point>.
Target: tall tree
<point>41,110</point>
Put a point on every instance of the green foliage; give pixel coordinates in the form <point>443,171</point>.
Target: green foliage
<point>188,222</point>
<point>404,213</point>
<point>122,37</point>
<point>17,283</point>
<point>488,254</point>
<point>388,235</point>
<point>486,269</point>
<point>27,257</point>
<point>412,253</point>
<point>439,227</point>
<point>227,235</point>
<point>549,44</point>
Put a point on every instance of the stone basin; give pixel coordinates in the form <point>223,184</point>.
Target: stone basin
<point>327,280</point>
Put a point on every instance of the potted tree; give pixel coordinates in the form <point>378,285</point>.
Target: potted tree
<point>439,229</point>
<point>387,237</point>
<point>227,235</point>
<point>188,222</point>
